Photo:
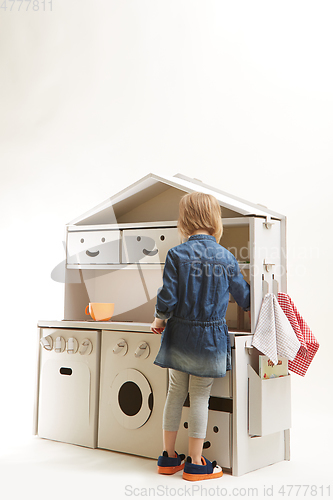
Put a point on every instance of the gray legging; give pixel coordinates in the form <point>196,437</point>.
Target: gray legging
<point>180,384</point>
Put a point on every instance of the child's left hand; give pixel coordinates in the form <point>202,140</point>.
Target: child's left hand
<point>157,325</point>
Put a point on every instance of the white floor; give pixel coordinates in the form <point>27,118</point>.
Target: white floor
<point>51,470</point>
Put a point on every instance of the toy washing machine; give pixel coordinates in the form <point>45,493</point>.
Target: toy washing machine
<point>132,394</point>
<point>68,385</point>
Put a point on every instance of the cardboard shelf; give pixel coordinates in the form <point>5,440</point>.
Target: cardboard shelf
<point>125,267</point>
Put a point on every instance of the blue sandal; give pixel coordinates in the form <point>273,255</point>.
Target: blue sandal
<point>170,465</point>
<point>195,472</point>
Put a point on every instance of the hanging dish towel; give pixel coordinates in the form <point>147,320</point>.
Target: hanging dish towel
<point>309,344</point>
<point>274,335</point>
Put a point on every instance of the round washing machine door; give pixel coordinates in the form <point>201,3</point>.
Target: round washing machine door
<point>131,398</point>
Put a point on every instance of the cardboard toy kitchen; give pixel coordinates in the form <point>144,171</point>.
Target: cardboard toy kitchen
<point>97,385</point>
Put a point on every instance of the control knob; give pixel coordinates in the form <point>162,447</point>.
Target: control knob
<point>142,351</point>
<point>121,347</point>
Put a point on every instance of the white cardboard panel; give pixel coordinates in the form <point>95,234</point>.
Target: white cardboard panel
<point>269,404</point>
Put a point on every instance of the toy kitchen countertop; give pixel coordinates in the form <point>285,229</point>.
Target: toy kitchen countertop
<point>127,326</point>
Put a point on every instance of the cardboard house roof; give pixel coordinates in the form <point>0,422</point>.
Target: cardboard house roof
<point>156,198</point>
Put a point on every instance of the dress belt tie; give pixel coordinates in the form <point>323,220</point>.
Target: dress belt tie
<point>221,321</point>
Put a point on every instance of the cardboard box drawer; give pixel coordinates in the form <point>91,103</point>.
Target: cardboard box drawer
<point>217,444</point>
<point>93,247</point>
<point>148,246</point>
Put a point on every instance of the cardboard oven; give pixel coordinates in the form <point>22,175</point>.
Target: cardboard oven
<point>97,385</point>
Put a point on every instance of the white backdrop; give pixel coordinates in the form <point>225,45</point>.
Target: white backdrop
<point>95,95</point>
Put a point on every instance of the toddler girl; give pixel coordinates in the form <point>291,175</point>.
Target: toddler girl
<point>198,276</point>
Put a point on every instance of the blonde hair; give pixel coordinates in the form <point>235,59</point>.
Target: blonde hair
<point>200,211</point>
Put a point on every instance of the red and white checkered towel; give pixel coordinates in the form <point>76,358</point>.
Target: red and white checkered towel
<point>274,335</point>
<point>309,344</point>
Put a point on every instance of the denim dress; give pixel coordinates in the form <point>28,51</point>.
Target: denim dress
<point>197,279</point>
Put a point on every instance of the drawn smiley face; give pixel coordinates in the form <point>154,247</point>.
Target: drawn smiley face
<point>93,247</point>
<point>88,252</point>
<point>146,246</point>
<point>150,253</point>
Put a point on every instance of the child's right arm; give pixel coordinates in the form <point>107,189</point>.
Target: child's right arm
<point>238,287</point>
<point>167,296</point>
